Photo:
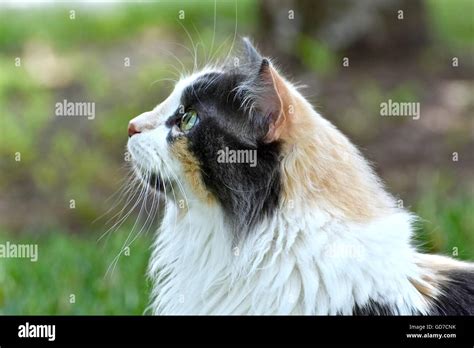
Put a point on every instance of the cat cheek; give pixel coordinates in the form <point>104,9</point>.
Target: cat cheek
<point>191,169</point>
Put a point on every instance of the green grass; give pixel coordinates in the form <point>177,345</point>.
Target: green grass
<point>449,21</point>
<point>108,26</point>
<point>72,265</point>
<point>446,218</point>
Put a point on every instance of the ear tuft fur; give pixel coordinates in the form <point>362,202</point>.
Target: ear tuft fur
<point>252,56</point>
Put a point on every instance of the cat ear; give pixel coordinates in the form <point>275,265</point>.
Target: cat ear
<point>273,99</point>
<point>269,91</point>
<point>251,54</point>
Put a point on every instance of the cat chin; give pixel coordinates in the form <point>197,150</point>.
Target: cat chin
<point>151,179</point>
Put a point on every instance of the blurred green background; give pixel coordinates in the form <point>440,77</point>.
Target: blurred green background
<point>84,59</point>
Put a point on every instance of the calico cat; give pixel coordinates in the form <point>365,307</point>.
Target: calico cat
<point>308,229</point>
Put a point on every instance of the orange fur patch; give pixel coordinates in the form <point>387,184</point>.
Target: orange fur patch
<point>439,263</point>
<point>321,165</point>
<point>432,268</point>
<point>191,168</point>
<point>427,287</point>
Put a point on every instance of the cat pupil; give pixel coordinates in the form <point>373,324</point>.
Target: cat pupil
<point>188,121</point>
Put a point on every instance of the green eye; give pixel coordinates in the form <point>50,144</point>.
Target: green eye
<point>188,121</point>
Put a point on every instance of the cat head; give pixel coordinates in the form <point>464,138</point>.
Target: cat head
<point>217,139</point>
<point>243,139</point>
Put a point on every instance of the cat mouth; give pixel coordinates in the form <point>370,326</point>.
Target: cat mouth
<point>153,180</point>
<point>156,182</point>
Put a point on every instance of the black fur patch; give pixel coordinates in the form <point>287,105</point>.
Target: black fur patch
<point>373,308</point>
<point>457,296</point>
<point>247,193</point>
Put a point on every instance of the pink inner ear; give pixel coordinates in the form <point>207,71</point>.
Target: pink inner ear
<point>272,100</point>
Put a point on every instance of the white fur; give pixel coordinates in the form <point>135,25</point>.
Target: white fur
<point>299,262</point>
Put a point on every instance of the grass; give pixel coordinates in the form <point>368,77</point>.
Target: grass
<point>446,220</point>
<point>74,265</point>
<point>107,26</point>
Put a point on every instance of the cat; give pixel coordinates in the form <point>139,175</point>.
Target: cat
<point>308,229</point>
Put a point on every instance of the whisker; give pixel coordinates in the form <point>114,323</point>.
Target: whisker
<point>122,191</point>
<point>144,190</point>
<point>150,214</point>
<point>235,33</point>
<point>183,67</point>
<point>180,185</point>
<point>176,215</point>
<point>121,219</point>
<point>216,53</point>
<point>164,79</point>
<point>200,43</point>
<point>192,43</point>
<point>214,29</point>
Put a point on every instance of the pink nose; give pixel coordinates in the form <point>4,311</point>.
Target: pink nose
<point>132,129</point>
